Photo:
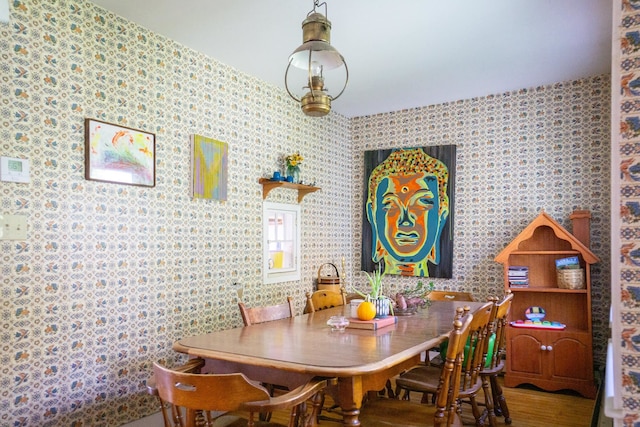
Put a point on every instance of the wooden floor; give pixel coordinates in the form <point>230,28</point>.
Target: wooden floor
<point>529,407</point>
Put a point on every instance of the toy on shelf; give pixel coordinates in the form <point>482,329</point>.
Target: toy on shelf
<point>535,313</point>
<point>537,324</point>
<point>534,320</point>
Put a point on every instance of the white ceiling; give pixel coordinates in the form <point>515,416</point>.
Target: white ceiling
<point>400,53</point>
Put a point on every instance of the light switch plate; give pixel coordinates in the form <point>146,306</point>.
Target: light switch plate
<point>4,11</point>
<point>13,227</point>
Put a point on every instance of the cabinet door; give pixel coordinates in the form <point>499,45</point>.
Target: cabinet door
<point>571,358</point>
<point>523,353</point>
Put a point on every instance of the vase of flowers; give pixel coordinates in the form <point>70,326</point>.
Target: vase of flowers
<point>293,162</point>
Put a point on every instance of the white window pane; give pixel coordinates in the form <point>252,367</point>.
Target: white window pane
<point>281,242</point>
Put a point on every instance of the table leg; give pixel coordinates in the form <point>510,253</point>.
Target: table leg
<point>351,390</point>
<point>349,396</point>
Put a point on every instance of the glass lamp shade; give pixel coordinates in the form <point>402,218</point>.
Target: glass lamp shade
<point>321,52</point>
<point>321,58</point>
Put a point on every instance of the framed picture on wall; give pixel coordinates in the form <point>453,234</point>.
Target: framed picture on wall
<point>119,154</point>
<point>209,164</point>
<point>409,196</point>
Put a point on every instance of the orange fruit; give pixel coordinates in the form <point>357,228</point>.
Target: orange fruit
<point>366,310</point>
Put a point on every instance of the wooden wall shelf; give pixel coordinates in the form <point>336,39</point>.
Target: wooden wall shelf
<point>303,190</point>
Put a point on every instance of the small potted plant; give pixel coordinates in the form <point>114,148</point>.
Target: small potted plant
<point>408,301</point>
<point>382,303</point>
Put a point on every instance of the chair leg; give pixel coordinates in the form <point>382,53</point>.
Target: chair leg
<point>163,409</point>
<point>425,398</point>
<point>298,416</point>
<point>322,396</point>
<point>390,393</point>
<point>489,401</point>
<point>176,415</point>
<point>318,414</point>
<point>266,416</point>
<point>311,419</point>
<point>494,394</point>
<point>499,400</point>
<point>496,404</point>
<point>475,408</point>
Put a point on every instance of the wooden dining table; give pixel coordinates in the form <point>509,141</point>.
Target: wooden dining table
<point>291,351</point>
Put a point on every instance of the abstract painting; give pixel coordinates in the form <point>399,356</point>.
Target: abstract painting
<point>119,154</point>
<point>209,159</point>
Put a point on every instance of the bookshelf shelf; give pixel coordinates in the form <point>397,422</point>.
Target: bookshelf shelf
<point>549,359</point>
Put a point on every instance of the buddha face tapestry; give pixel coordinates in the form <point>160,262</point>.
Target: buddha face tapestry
<point>408,206</point>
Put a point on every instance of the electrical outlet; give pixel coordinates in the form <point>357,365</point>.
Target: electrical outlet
<point>13,227</point>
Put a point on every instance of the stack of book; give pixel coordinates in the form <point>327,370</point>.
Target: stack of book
<point>374,324</point>
<point>518,276</point>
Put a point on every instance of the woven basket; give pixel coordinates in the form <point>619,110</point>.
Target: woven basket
<point>572,278</point>
<point>329,283</point>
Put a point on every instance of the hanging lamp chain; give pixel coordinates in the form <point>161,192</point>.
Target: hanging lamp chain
<point>316,5</point>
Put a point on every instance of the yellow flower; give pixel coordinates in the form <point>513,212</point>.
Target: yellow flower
<point>293,160</point>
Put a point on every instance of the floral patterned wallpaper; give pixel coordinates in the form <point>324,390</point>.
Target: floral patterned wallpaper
<point>628,71</point>
<point>111,275</point>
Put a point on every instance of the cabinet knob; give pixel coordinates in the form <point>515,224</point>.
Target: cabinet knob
<point>543,348</point>
<point>549,348</point>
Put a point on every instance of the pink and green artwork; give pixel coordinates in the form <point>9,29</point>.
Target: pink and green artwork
<point>119,154</point>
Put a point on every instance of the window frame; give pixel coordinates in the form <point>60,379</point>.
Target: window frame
<point>284,274</point>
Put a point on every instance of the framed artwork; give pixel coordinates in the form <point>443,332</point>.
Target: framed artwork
<point>407,226</point>
<point>119,154</point>
<point>209,164</point>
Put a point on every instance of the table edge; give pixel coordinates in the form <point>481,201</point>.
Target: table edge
<point>349,371</point>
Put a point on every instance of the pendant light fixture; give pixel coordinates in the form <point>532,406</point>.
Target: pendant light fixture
<point>315,56</point>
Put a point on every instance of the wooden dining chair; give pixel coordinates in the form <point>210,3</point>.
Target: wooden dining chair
<point>169,412</point>
<point>251,316</point>
<point>450,296</point>
<point>495,360</point>
<point>321,300</point>
<point>435,356</point>
<point>190,399</point>
<point>268,313</point>
<point>393,412</point>
<point>425,378</point>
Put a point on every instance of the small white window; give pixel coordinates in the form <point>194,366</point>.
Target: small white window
<point>281,242</point>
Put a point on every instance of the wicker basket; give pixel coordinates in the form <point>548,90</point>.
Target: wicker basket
<point>571,278</point>
<point>329,283</point>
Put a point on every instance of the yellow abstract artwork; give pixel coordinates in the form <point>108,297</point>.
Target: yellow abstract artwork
<point>209,160</point>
